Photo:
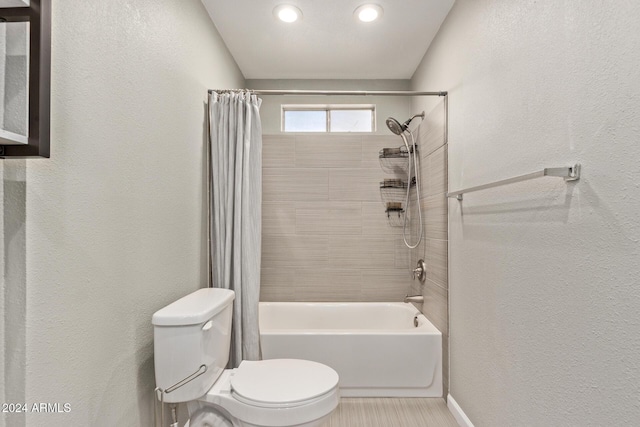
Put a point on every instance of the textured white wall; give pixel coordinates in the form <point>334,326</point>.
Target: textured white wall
<point>115,220</point>
<point>544,276</point>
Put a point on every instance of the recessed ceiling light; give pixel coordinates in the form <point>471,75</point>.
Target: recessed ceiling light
<point>368,12</point>
<point>287,13</point>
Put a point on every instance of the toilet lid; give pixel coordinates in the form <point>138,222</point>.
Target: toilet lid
<point>279,382</point>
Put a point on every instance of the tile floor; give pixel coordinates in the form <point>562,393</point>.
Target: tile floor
<point>391,412</point>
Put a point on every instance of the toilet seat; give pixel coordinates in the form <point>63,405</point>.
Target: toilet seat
<point>283,392</point>
<point>282,383</point>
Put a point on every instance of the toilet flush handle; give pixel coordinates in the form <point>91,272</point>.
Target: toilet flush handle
<point>207,325</point>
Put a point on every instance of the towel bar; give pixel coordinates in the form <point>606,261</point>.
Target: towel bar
<point>571,173</point>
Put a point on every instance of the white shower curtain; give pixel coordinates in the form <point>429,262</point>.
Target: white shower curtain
<point>235,138</point>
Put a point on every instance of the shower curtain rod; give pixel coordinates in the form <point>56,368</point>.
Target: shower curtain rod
<point>339,92</point>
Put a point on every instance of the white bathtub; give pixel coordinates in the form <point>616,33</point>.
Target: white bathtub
<point>374,347</point>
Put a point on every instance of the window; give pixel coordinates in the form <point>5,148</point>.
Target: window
<point>328,118</point>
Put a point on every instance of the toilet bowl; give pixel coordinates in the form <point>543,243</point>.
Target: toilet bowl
<point>191,346</point>
<point>278,392</point>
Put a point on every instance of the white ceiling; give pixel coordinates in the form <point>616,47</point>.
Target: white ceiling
<point>328,43</point>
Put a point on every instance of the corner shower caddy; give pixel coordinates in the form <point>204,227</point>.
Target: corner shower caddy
<point>393,190</point>
<point>392,193</point>
<point>394,160</point>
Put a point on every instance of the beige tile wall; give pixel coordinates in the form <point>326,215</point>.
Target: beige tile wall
<point>434,247</point>
<point>325,233</point>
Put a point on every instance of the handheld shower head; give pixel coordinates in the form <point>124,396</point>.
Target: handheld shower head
<point>397,127</point>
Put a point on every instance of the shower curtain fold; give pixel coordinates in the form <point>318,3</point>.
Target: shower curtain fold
<point>235,173</point>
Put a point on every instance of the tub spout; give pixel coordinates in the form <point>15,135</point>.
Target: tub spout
<point>419,299</point>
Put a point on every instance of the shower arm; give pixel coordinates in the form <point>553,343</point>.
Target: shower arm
<point>421,115</point>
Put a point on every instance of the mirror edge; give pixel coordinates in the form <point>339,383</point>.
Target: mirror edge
<point>39,15</point>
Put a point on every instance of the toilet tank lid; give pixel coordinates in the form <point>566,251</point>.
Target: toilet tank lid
<point>195,308</point>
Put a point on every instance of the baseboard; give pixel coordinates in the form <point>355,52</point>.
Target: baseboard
<point>458,413</point>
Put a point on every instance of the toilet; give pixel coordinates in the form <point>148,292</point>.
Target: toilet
<point>192,337</point>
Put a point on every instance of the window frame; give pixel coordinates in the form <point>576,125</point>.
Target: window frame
<point>327,108</point>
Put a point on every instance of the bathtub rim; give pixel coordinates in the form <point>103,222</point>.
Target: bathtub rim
<point>426,327</point>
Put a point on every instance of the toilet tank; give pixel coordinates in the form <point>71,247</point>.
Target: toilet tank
<point>188,333</point>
